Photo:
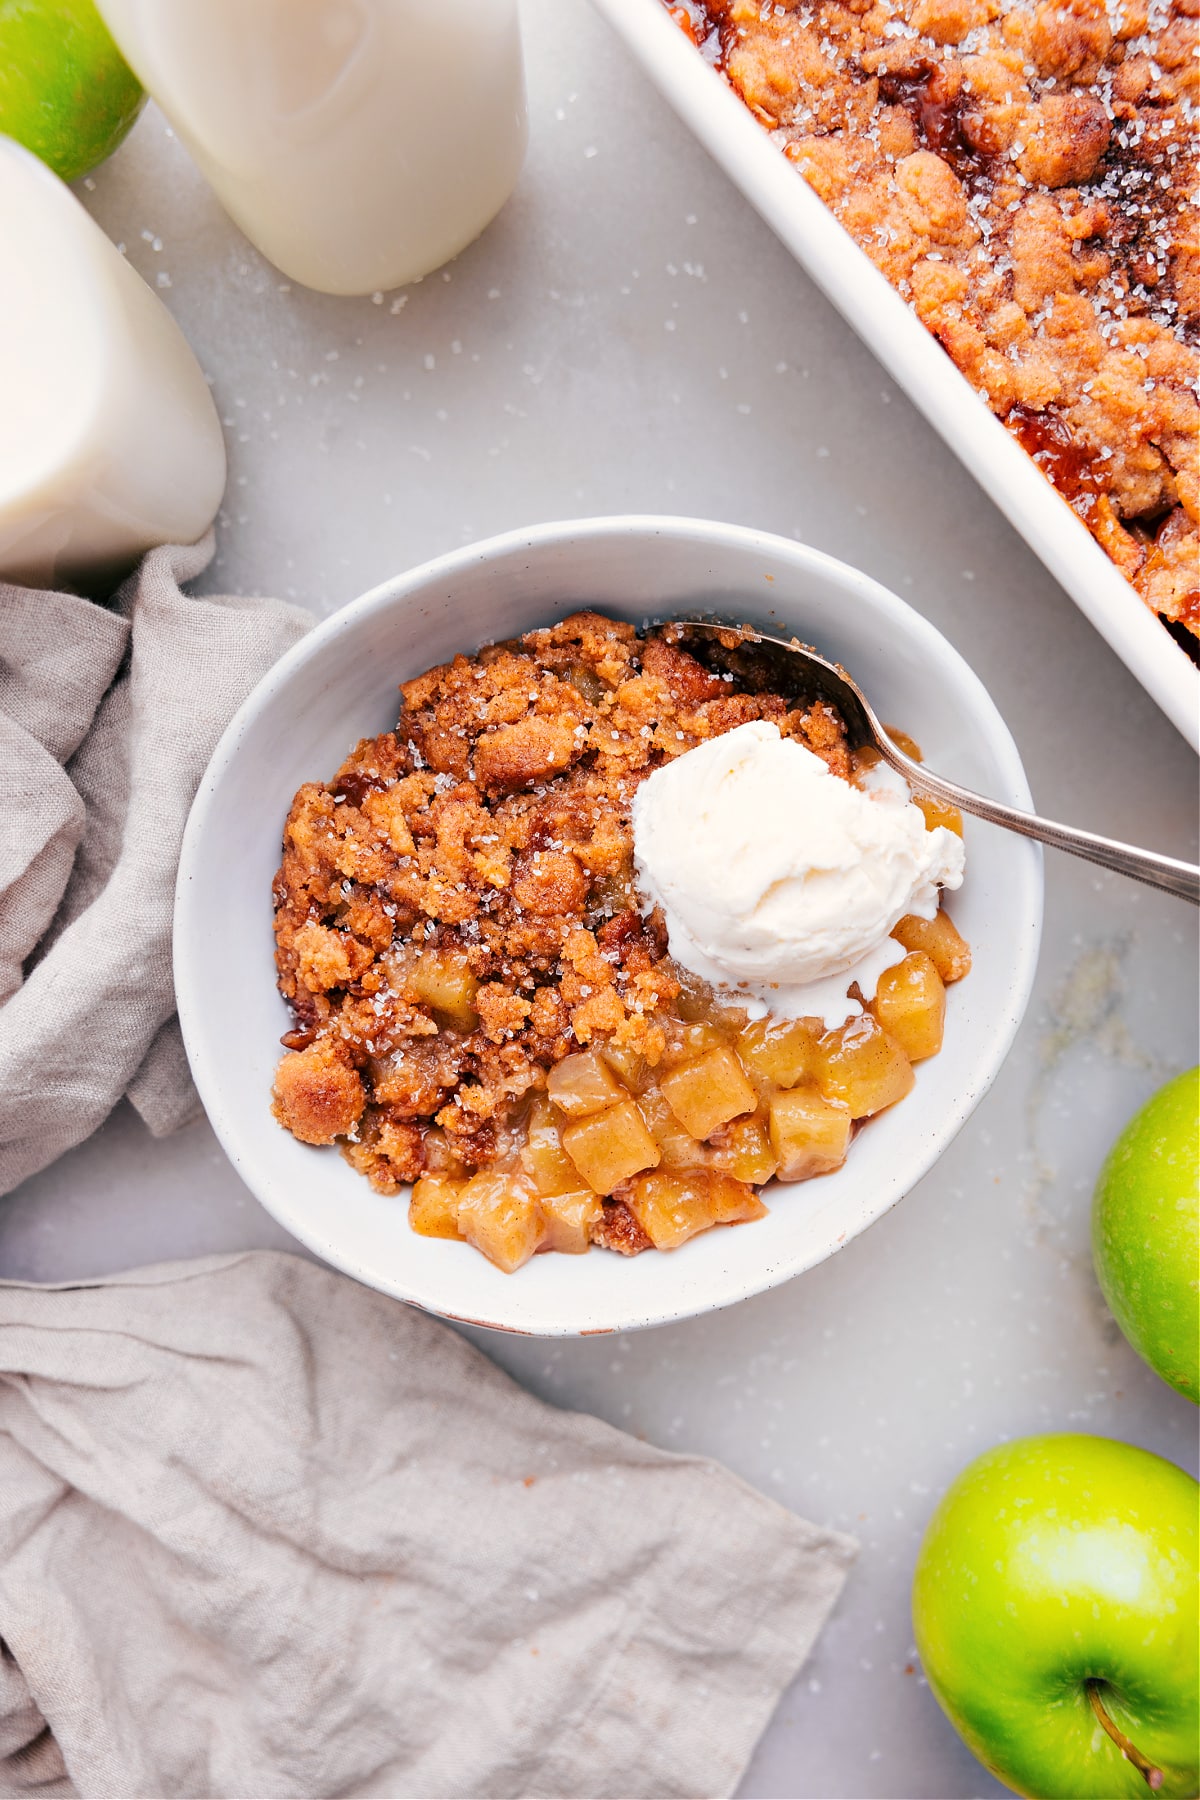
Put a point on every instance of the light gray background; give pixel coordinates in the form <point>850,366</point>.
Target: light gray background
<point>629,337</point>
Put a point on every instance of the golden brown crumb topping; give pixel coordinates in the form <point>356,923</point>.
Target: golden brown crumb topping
<point>1026,177</point>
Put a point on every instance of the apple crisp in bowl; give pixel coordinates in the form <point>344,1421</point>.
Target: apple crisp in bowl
<point>488,1005</point>
<point>339,685</point>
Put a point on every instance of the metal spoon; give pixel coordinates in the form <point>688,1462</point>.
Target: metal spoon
<point>827,681</point>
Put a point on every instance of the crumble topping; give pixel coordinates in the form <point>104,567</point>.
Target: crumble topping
<point>1026,177</point>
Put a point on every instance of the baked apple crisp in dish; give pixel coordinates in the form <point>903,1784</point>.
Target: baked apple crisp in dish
<point>611,930</point>
<point>1025,176</point>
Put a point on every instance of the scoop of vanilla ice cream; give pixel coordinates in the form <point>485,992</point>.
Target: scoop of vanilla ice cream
<point>781,880</point>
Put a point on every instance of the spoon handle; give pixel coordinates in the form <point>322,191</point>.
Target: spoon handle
<point>1164,872</point>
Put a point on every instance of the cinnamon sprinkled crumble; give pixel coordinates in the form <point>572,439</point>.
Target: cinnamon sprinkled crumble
<point>1026,178</point>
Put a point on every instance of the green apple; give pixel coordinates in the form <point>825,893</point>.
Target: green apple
<point>1055,1610</point>
<point>1146,1232</point>
<point>65,92</point>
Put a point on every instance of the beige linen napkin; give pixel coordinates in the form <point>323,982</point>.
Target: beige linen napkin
<point>108,717</point>
<point>264,1532</point>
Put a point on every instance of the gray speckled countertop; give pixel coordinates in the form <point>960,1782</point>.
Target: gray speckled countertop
<point>629,337</point>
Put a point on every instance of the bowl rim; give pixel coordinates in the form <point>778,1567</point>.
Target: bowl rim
<point>396,590</point>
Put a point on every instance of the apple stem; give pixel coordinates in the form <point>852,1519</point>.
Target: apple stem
<point>1150,1775</point>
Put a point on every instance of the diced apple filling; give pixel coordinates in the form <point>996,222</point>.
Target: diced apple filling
<point>733,1201</point>
<point>542,1155</point>
<point>784,1052</point>
<point>686,1042</point>
<point>708,1092</point>
<point>433,1208</point>
<point>863,1068</point>
<point>910,1004</point>
<point>809,1134</point>
<point>569,1219</point>
<point>730,1108</point>
<point>629,1065</point>
<point>583,1084</point>
<point>500,1214</point>
<point>672,1205</point>
<point>608,1147</point>
<point>443,980</point>
<point>743,1148</point>
<point>946,949</point>
<point>685,1144</point>
<point>680,1150</point>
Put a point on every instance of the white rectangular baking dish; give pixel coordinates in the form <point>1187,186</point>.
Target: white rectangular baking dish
<point>911,354</point>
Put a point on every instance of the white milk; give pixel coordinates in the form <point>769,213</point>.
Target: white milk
<point>109,440</point>
<point>358,143</point>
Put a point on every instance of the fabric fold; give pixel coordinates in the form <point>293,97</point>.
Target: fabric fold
<point>108,717</point>
<point>266,1532</point>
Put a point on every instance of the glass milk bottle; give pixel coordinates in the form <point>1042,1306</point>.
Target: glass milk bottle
<point>358,143</point>
<point>109,439</point>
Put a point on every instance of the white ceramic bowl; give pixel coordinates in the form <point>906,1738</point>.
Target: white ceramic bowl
<point>339,684</point>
